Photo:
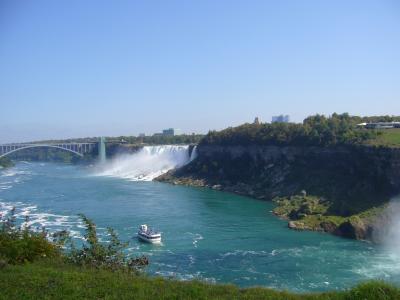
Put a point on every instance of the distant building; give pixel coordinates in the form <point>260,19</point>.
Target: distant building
<point>142,134</point>
<point>170,132</point>
<point>281,119</point>
<point>380,125</point>
<point>256,121</point>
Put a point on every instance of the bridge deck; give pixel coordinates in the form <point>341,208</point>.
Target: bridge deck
<point>76,148</point>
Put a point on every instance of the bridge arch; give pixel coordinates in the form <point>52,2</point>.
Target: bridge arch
<point>41,145</point>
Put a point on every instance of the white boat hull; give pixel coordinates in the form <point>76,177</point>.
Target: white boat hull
<point>153,240</point>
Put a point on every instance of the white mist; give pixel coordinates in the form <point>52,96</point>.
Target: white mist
<point>390,227</point>
<point>146,164</point>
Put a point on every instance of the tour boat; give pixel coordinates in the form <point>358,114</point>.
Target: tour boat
<point>148,235</point>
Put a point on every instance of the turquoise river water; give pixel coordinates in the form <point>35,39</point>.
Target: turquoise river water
<point>208,235</point>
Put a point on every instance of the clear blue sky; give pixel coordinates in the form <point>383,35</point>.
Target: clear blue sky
<point>78,68</point>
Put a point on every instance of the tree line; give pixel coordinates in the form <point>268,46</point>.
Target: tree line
<point>316,130</point>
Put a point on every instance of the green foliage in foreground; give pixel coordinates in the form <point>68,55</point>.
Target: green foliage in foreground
<point>19,243</point>
<point>57,280</point>
<point>98,255</point>
<point>32,267</point>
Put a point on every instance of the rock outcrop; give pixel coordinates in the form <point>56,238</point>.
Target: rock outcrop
<point>352,179</point>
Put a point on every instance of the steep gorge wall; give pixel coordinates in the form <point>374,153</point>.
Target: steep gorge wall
<point>353,178</point>
<point>348,185</point>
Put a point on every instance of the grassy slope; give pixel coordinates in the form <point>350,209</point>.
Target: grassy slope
<point>387,137</point>
<point>44,280</point>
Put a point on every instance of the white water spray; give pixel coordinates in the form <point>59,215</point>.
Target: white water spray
<point>389,229</point>
<point>193,155</point>
<point>148,163</point>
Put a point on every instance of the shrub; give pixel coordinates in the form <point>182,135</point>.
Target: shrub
<point>19,244</point>
<point>110,256</point>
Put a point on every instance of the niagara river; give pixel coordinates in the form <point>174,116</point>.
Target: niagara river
<point>207,235</point>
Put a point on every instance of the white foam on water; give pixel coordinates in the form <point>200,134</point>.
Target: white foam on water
<point>196,238</point>
<point>6,182</point>
<point>146,164</point>
<point>26,211</point>
<point>5,208</point>
<point>13,172</point>
<point>164,265</point>
<point>76,235</point>
<point>245,253</point>
<point>387,263</point>
<point>38,220</point>
<point>132,249</point>
<point>192,260</point>
<point>11,176</point>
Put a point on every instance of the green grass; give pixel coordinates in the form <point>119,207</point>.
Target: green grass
<point>387,137</point>
<point>57,280</point>
<point>310,204</point>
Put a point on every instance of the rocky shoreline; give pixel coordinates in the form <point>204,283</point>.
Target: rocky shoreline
<point>300,217</point>
<point>347,188</point>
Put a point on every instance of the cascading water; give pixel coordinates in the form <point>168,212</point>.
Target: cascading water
<point>388,232</point>
<point>148,163</point>
<point>193,155</point>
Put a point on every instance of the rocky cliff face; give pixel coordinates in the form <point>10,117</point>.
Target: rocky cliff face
<point>352,179</point>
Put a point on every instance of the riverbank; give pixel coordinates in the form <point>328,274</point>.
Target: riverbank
<point>346,187</point>
<point>303,213</point>
<point>57,280</point>
<point>312,213</point>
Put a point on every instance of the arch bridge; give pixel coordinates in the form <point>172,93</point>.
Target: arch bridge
<point>77,148</point>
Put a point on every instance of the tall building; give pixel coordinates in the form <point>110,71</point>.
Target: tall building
<point>171,131</point>
<point>280,119</point>
<point>256,121</point>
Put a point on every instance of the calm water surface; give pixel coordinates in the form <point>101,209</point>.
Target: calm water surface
<point>208,235</point>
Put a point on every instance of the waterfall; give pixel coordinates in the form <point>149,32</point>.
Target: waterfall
<point>193,155</point>
<point>387,228</point>
<point>148,163</point>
